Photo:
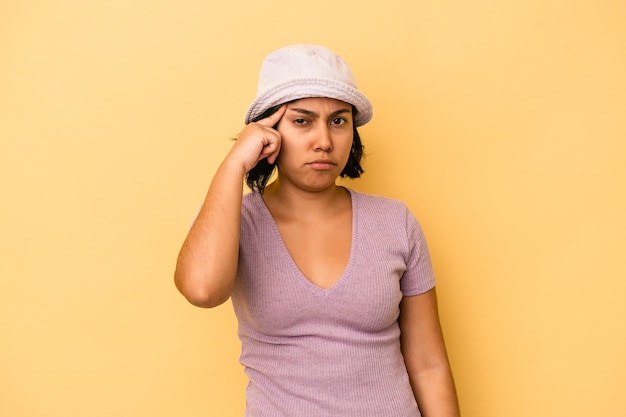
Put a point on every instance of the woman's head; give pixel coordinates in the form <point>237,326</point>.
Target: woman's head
<point>303,71</point>
<point>258,176</point>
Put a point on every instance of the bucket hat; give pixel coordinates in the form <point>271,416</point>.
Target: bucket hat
<point>301,71</point>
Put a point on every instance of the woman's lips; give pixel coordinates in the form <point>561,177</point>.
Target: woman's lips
<point>322,164</point>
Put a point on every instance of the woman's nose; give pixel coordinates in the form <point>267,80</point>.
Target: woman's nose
<point>324,140</point>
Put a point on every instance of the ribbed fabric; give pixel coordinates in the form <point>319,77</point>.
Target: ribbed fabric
<point>314,352</point>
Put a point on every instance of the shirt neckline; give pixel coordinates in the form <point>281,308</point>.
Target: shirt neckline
<point>301,278</point>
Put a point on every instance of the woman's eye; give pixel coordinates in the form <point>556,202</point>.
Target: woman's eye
<point>338,121</point>
<point>300,121</point>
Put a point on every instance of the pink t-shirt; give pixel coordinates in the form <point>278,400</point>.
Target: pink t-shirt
<point>335,352</point>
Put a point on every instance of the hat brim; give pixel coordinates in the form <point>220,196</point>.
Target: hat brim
<point>311,87</point>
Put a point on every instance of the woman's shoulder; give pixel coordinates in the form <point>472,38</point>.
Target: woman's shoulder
<point>377,202</point>
<point>250,197</point>
<point>252,205</point>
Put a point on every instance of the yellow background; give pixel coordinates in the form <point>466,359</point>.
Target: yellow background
<point>502,124</point>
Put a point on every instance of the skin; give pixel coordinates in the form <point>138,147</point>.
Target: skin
<point>316,137</point>
<point>311,145</point>
<point>425,356</point>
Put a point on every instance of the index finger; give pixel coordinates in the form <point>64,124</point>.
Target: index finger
<point>270,121</point>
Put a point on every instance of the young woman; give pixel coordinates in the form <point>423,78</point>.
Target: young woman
<point>333,289</point>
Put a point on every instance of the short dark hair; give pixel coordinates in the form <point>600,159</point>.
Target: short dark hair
<point>258,176</point>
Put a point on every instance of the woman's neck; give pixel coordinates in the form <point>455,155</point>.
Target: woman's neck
<point>291,202</point>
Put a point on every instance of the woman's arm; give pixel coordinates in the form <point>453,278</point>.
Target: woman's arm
<point>425,356</point>
<point>207,262</point>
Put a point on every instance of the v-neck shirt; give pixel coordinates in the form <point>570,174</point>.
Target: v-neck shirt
<point>310,351</point>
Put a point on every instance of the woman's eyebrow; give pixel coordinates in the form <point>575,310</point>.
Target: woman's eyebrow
<point>340,111</point>
<point>313,114</point>
<point>305,112</point>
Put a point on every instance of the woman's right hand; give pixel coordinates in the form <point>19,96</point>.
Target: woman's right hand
<point>258,140</point>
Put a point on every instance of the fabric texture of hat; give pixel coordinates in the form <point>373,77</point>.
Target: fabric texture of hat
<point>301,71</point>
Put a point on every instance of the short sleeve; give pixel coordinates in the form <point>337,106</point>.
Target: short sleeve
<point>419,276</point>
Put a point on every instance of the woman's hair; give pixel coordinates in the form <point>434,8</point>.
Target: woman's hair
<point>258,176</point>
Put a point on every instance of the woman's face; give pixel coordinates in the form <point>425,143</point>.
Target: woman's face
<point>316,138</point>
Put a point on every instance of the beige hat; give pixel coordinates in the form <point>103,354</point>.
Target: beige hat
<point>301,71</point>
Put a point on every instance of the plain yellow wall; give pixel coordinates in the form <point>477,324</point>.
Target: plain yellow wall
<point>502,124</point>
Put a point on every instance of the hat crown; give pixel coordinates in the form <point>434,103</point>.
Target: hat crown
<point>300,71</point>
<point>297,62</point>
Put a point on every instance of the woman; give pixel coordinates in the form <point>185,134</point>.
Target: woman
<point>333,289</point>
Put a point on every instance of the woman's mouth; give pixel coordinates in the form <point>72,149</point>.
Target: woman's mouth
<point>322,164</point>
